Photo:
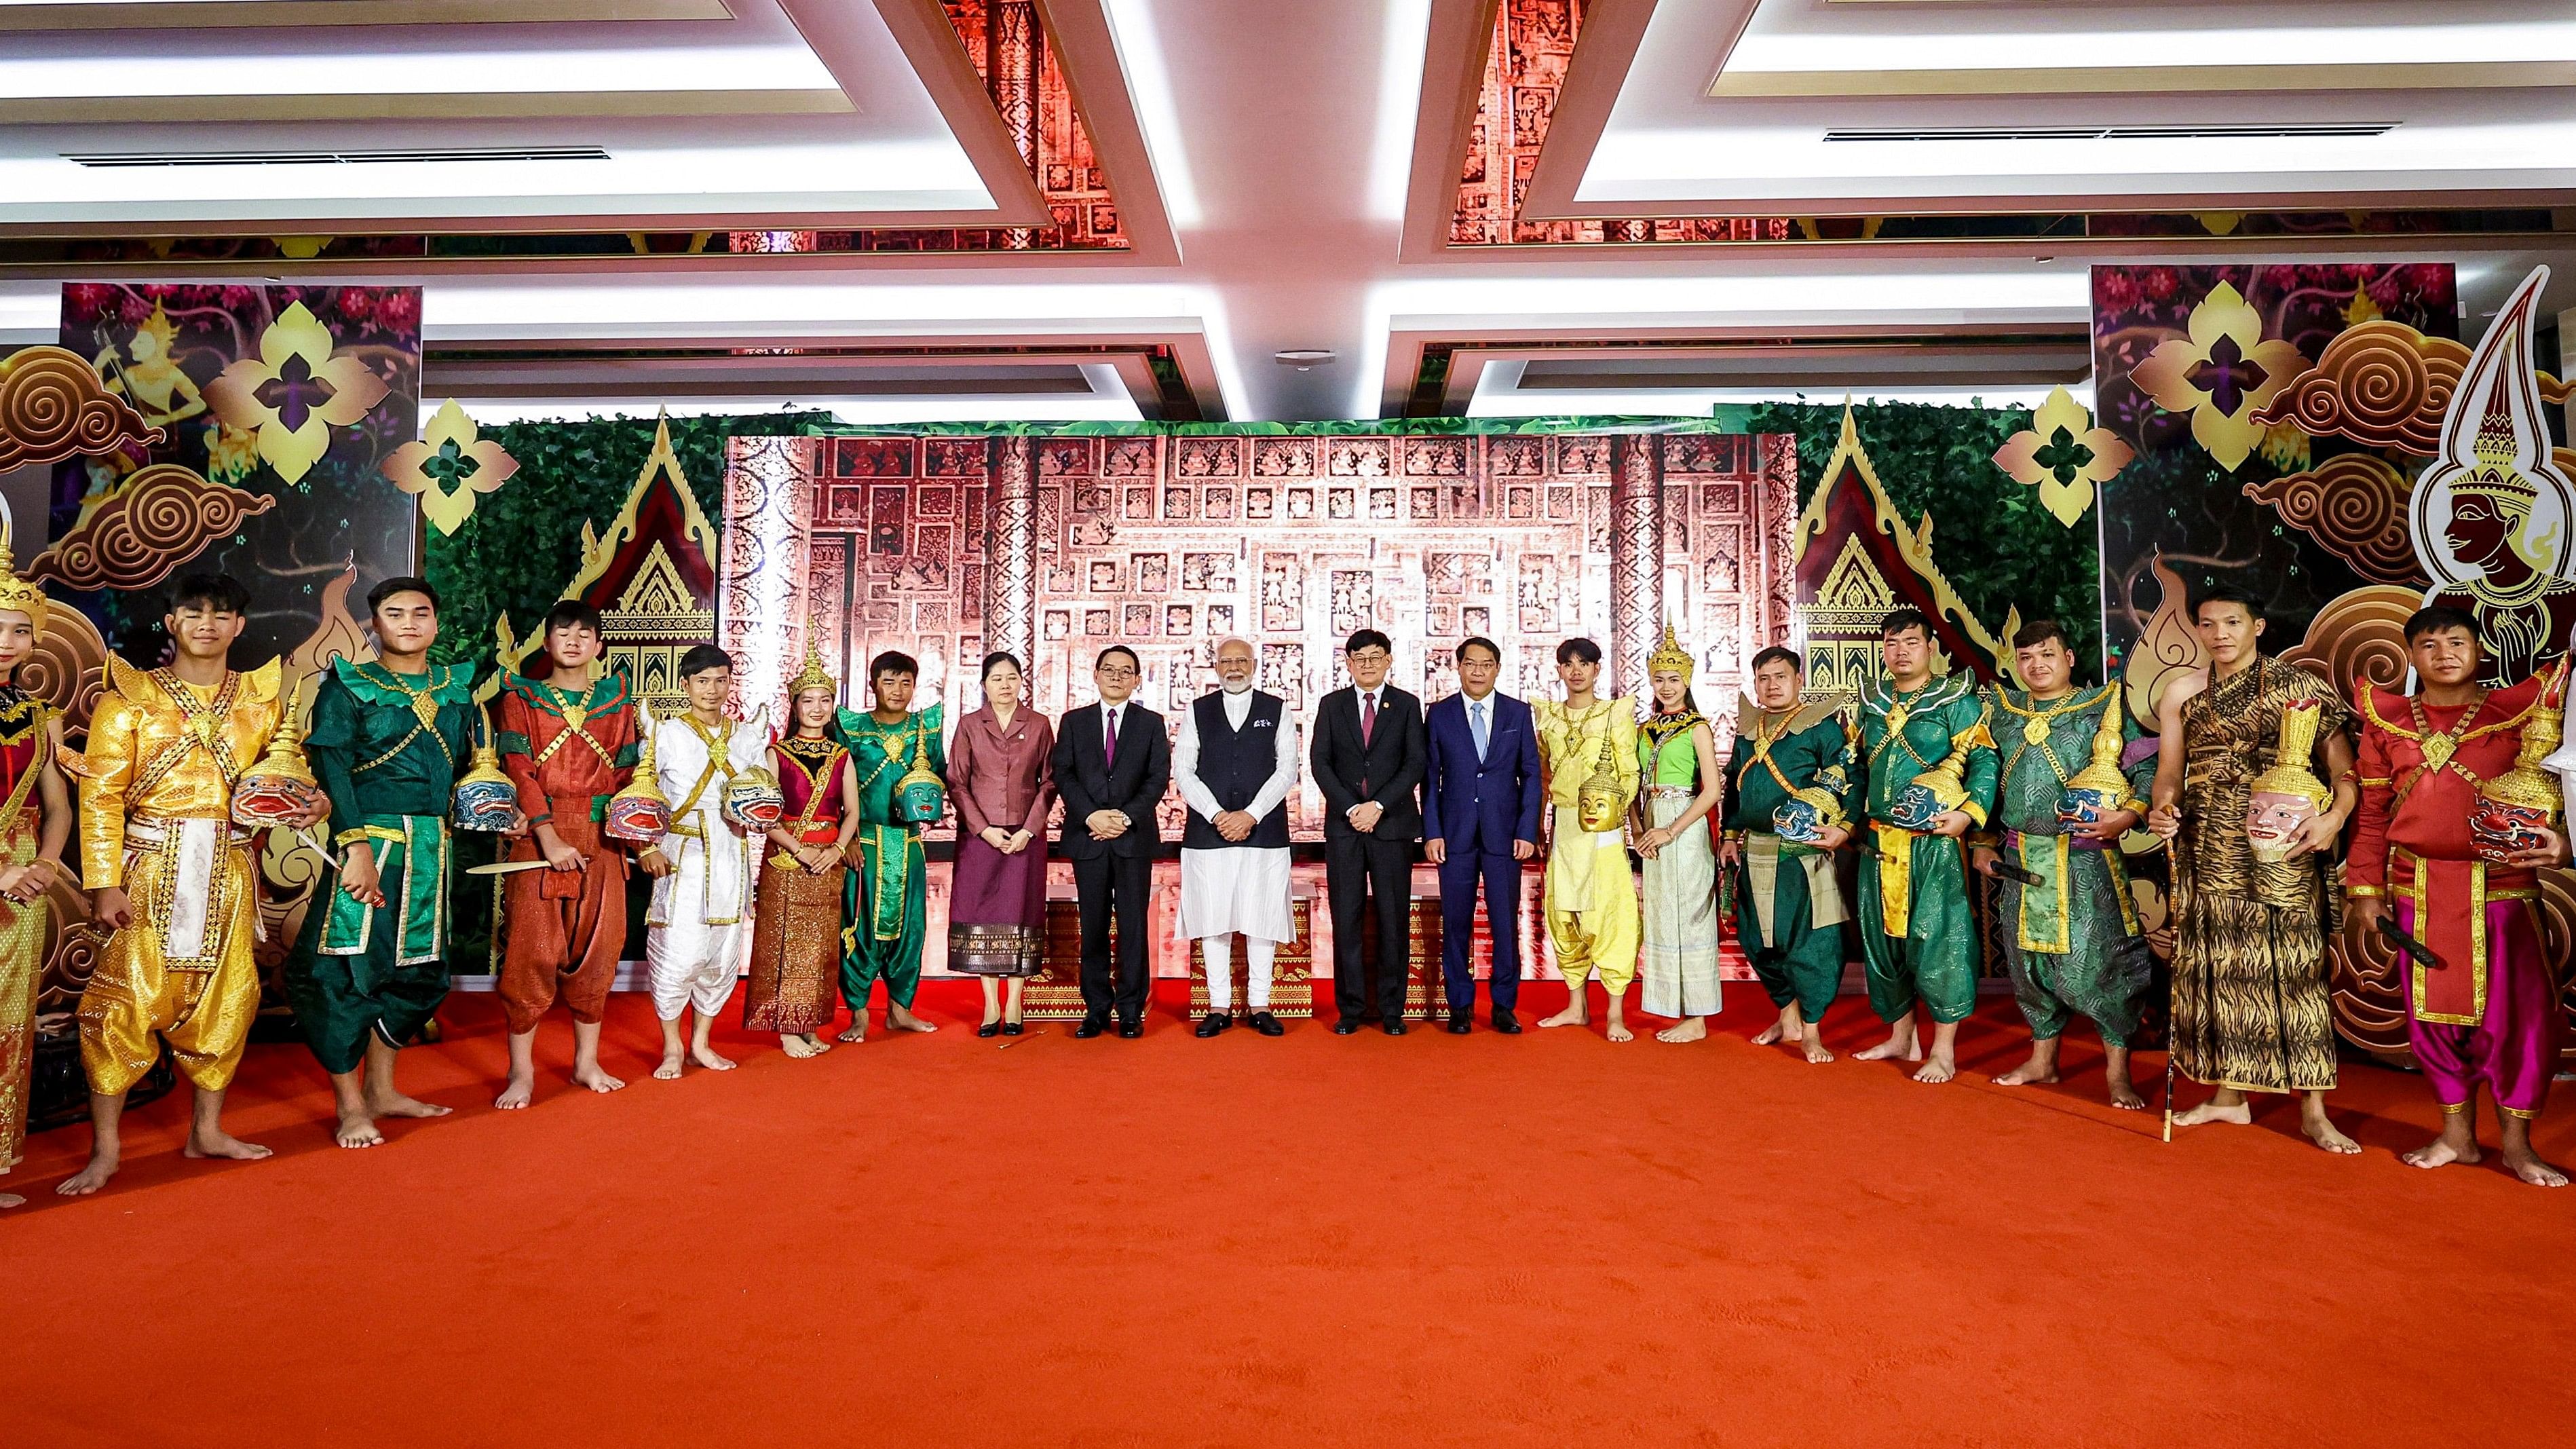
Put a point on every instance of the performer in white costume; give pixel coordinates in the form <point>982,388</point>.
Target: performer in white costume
<point>704,868</point>
<point>1236,763</point>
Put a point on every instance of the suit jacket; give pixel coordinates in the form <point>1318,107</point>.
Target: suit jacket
<point>1393,763</point>
<point>1481,805</point>
<point>1086,782</point>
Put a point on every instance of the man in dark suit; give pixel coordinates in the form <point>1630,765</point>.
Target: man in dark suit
<point>1369,756</point>
<point>1112,762</point>
<point>1479,822</point>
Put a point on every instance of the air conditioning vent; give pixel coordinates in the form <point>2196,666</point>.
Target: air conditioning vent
<point>336,158</point>
<point>2118,133</point>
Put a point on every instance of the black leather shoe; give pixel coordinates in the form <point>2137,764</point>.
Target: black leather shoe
<point>1212,1023</point>
<point>1394,1026</point>
<point>1091,1026</point>
<point>1457,1023</point>
<point>1131,1029</point>
<point>990,1028</point>
<point>1010,1028</point>
<point>1266,1024</point>
<point>1505,1022</point>
<point>1346,1026</point>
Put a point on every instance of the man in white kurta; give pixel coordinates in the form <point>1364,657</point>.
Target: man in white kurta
<point>1235,764</point>
<point>700,919</point>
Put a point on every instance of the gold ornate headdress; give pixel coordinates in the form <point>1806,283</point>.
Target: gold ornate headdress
<point>2290,774</point>
<point>2528,784</point>
<point>2499,474</point>
<point>814,675</point>
<point>22,594</point>
<point>1669,655</point>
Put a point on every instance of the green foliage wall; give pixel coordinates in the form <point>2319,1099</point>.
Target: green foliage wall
<point>1997,546</point>
<point>524,541</point>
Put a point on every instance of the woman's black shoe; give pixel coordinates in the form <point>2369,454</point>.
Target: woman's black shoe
<point>990,1028</point>
<point>1010,1028</point>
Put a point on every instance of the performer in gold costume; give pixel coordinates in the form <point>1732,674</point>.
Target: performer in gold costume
<point>170,872</point>
<point>35,823</point>
<point>1588,748</point>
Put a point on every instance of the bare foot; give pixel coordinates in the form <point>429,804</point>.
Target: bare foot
<point>2440,1153</point>
<point>2326,1135</point>
<point>224,1145</point>
<point>599,1081</point>
<point>357,1129</point>
<point>858,1032</point>
<point>1899,1046</point>
<point>1767,1036</point>
<point>516,1093</point>
<point>902,1019</point>
<point>2240,1114</point>
<point>90,1179</point>
<point>9,1200</point>
<point>395,1104</point>
<point>2125,1096</point>
<point>1618,1029</point>
<point>2522,1164</point>
<point>1689,1028</point>
<point>2029,1072</point>
<point>707,1058</point>
<point>1814,1046</point>
<point>1575,1014</point>
<point>1941,1068</point>
<point>668,1071</point>
<point>799,1047</point>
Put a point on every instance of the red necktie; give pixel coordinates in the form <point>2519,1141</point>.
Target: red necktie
<point>1368,718</point>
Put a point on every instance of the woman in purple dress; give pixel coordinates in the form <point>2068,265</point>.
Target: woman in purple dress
<point>1003,785</point>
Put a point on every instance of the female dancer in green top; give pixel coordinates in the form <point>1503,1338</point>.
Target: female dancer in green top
<point>1677,759</point>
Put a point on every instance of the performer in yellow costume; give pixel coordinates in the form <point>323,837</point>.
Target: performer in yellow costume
<point>1587,748</point>
<point>171,873</point>
<point>35,824</point>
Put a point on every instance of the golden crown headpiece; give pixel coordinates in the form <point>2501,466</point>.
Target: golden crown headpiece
<point>2499,474</point>
<point>163,330</point>
<point>22,594</point>
<point>1669,655</point>
<point>814,675</point>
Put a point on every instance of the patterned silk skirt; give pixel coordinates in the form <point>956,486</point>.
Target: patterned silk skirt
<point>997,910</point>
<point>22,952</point>
<point>1681,933</point>
<point>795,950</point>
<point>2250,1008</point>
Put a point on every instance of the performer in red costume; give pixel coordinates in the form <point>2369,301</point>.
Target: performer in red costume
<point>2485,1007</point>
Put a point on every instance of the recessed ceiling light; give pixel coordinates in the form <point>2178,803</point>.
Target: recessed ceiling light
<point>1304,359</point>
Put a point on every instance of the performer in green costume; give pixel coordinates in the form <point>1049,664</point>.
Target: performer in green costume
<point>1788,905</point>
<point>886,903</point>
<point>388,739</point>
<point>2064,938</point>
<point>1918,932</point>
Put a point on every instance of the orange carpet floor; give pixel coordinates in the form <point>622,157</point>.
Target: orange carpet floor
<point>1544,1240</point>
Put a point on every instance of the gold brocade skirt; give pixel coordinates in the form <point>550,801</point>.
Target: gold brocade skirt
<point>22,960</point>
<point>795,950</point>
<point>201,1006</point>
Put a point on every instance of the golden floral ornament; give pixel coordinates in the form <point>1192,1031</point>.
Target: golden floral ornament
<point>2063,455</point>
<point>448,466</point>
<point>2221,374</point>
<point>295,392</point>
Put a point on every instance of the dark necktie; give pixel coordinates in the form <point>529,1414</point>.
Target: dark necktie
<point>1368,727</point>
<point>1111,743</point>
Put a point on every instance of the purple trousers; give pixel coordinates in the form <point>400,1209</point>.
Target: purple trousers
<point>2514,1046</point>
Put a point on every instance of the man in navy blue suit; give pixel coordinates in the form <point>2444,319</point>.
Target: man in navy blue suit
<point>1479,822</point>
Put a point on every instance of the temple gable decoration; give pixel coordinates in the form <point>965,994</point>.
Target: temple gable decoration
<point>1857,558</point>
<point>651,575</point>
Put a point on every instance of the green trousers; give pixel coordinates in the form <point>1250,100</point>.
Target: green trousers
<point>2091,977</point>
<point>886,903</point>
<point>1804,964</point>
<point>357,970</point>
<point>1935,960</point>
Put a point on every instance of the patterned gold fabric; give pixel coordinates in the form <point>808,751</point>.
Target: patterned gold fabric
<point>156,804</point>
<point>795,950</point>
<point>2250,1007</point>
<point>22,960</point>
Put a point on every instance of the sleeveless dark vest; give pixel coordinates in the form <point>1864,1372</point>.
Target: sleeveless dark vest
<point>1234,766</point>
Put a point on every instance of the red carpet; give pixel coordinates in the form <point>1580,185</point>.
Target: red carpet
<point>1533,1241</point>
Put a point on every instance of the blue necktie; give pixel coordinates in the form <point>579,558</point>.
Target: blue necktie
<point>1476,727</point>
